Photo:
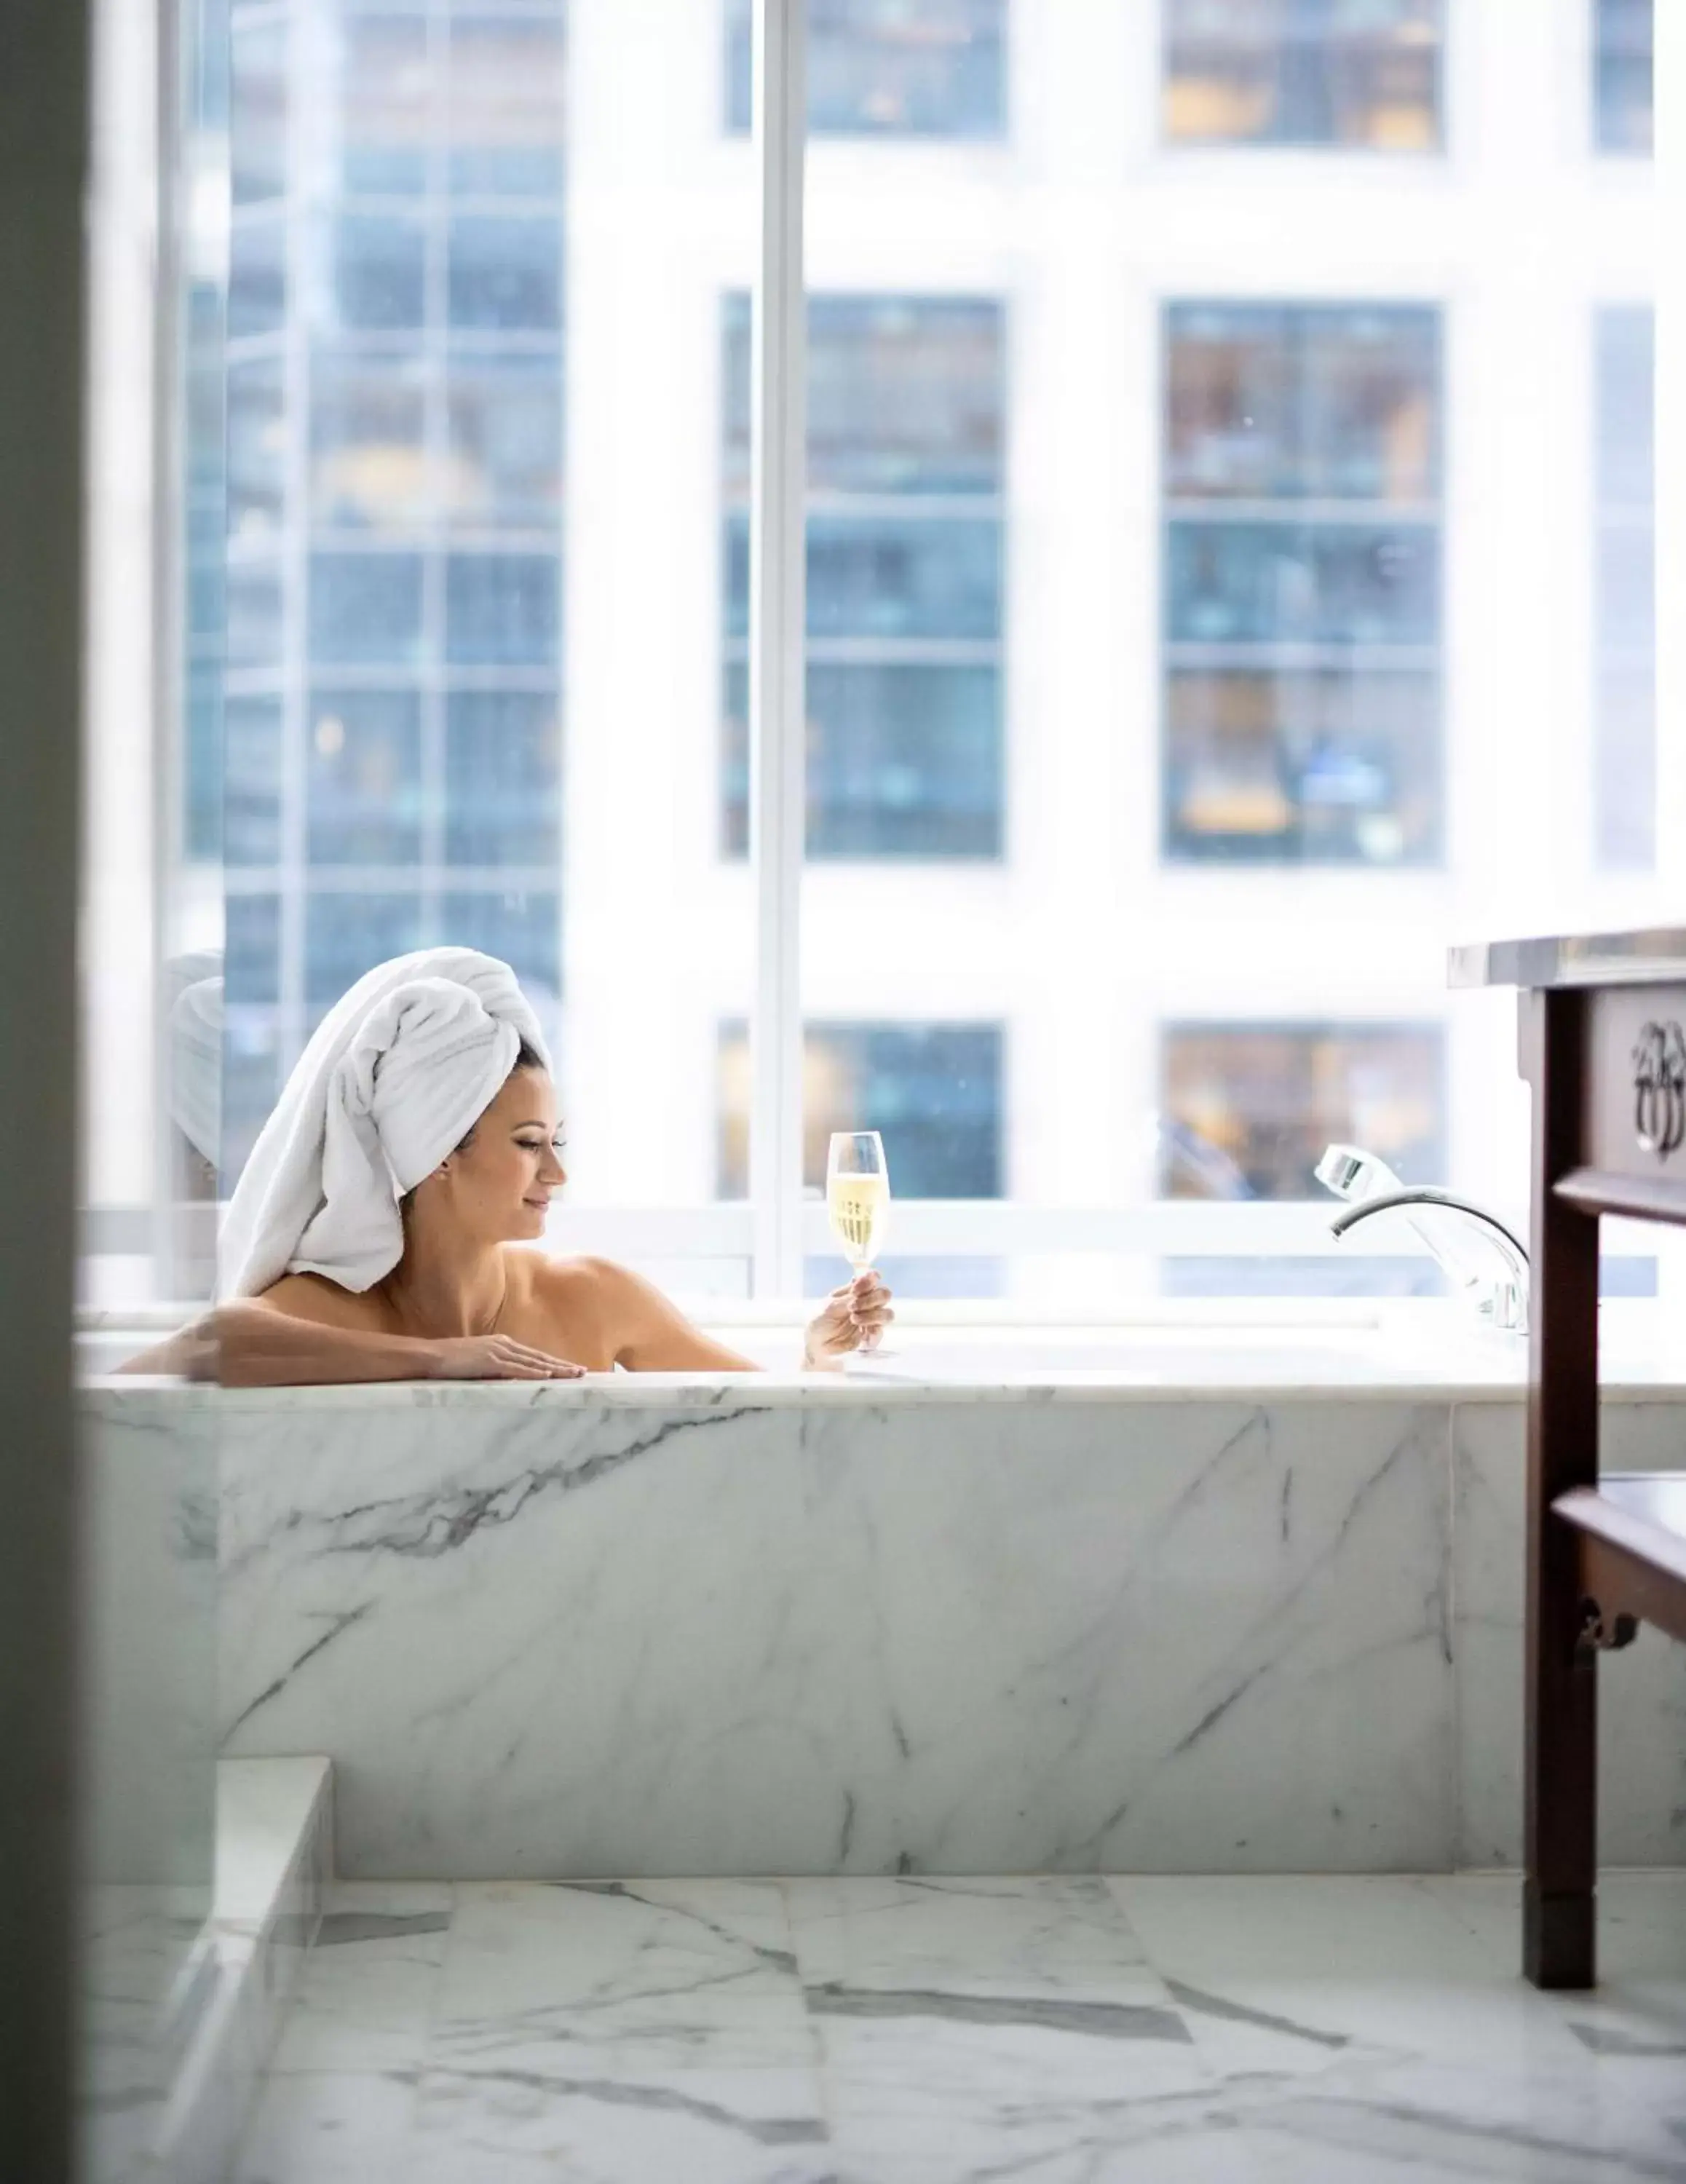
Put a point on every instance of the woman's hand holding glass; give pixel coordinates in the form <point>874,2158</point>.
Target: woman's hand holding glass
<point>855,1318</point>
<point>857,1202</point>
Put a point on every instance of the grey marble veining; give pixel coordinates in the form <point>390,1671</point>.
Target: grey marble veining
<point>800,1640</point>
<point>1241,2030</point>
<point>707,1635</point>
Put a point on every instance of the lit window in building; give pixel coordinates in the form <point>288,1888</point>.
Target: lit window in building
<point>932,1091</point>
<point>1362,74</point>
<point>888,67</point>
<point>1622,74</point>
<point>905,440</point>
<point>1302,584</point>
<point>1624,640</point>
<point>1247,1109</point>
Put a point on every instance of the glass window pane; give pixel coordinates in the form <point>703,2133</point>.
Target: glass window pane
<point>368,443</point>
<point>1318,764</point>
<point>385,111</point>
<point>905,606</point>
<point>1302,702</point>
<point>258,111</point>
<point>252,633</point>
<point>903,762</point>
<point>252,1076</point>
<point>885,577</point>
<point>505,274</point>
<point>522,928</point>
<point>257,450</point>
<point>252,955</point>
<point>905,394</point>
<point>257,277</point>
<point>379,273</point>
<point>363,796</point>
<point>252,769</point>
<point>907,761</point>
<point>1362,74</point>
<point>1247,1109</point>
<point>1233,582</point>
<point>1279,401</point>
<point>1623,35</point>
<point>346,933</point>
<point>502,610</point>
<point>934,1092</point>
<point>503,778</point>
<point>366,608</point>
<point>505,80</point>
<point>888,67</point>
<point>504,420</point>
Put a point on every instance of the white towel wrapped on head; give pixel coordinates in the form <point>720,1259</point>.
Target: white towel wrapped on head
<point>393,1078</point>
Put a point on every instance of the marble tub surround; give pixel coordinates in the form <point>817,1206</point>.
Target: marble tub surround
<point>729,1638</point>
<point>921,2030</point>
<point>691,1625</point>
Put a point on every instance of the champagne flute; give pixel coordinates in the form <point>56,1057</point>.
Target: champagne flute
<point>858,1200</point>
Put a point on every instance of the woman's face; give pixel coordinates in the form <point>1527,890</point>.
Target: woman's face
<point>502,1180</point>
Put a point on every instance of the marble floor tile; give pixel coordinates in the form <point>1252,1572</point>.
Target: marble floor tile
<point>329,2127</point>
<point>1375,2121</point>
<point>965,2086</point>
<point>1161,2031</point>
<point>613,1978</point>
<point>1304,1974</point>
<point>542,2126</point>
<point>366,2000</point>
<point>1056,1936</point>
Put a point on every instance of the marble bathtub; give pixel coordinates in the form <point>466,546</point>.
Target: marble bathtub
<point>1114,1620</point>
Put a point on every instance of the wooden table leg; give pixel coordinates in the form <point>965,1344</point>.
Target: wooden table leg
<point>1560,1762</point>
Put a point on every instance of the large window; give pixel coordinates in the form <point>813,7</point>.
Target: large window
<point>1364,74</point>
<point>1212,608</point>
<point>905,576</point>
<point>889,68</point>
<point>392,753</point>
<point>1302,583</point>
<point>1622,74</point>
<point>1625,682</point>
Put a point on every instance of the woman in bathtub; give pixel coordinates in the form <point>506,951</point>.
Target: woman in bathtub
<point>380,1228</point>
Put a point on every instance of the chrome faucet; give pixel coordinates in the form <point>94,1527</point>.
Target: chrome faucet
<point>1503,1302</point>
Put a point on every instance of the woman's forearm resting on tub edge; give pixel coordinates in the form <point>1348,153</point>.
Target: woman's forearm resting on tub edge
<point>245,1345</point>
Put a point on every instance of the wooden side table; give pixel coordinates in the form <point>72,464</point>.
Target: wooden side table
<point>1602,1041</point>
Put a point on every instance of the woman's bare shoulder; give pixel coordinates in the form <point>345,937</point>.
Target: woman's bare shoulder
<point>577,1282</point>
<point>314,1297</point>
<point>568,1303</point>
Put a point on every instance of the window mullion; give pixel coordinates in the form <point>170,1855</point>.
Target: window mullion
<point>778,470</point>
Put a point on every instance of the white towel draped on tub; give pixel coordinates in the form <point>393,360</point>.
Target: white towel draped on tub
<point>392,1080</point>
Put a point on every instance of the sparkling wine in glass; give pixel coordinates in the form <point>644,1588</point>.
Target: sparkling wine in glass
<point>858,1200</point>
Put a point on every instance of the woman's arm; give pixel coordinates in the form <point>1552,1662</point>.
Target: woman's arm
<point>250,1344</point>
<point>646,1331</point>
